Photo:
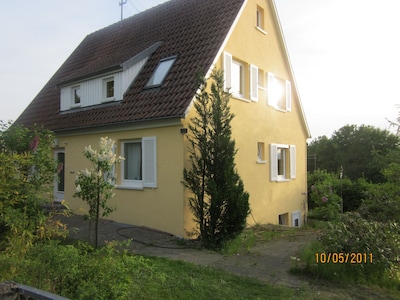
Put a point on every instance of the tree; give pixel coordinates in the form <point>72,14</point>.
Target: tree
<point>26,178</point>
<point>361,150</point>
<point>95,186</point>
<point>219,202</point>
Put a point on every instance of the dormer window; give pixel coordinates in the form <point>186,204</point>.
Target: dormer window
<point>160,72</point>
<point>76,96</point>
<point>108,85</point>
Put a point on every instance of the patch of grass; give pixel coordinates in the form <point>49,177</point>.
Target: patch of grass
<point>346,275</point>
<point>258,233</point>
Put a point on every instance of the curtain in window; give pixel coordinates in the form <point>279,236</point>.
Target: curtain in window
<point>133,161</point>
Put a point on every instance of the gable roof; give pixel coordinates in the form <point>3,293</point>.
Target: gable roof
<point>192,30</point>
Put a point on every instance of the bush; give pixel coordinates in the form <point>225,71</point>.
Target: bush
<point>326,191</point>
<point>79,271</point>
<point>353,234</point>
<point>26,178</point>
<point>382,203</point>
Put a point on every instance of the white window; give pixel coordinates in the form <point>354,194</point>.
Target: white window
<point>161,72</point>
<point>279,93</point>
<point>240,78</point>
<point>283,162</point>
<point>139,167</point>
<point>76,96</point>
<point>108,89</point>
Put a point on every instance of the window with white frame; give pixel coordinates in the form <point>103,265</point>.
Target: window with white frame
<point>161,72</point>
<point>139,167</point>
<point>109,89</point>
<point>279,93</point>
<point>240,78</point>
<point>76,96</point>
<point>283,162</point>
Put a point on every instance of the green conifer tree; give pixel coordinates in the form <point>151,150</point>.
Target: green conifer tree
<point>219,202</point>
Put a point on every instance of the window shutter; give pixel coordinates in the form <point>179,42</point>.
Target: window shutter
<point>288,96</point>
<point>149,160</point>
<point>274,162</point>
<point>271,78</point>
<point>292,161</point>
<point>227,70</point>
<point>253,83</point>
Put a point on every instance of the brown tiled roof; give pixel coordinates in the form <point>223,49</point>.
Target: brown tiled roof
<point>193,30</point>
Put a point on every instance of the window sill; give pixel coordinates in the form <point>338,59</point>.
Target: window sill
<point>283,180</point>
<point>279,109</point>
<point>129,187</point>
<point>261,161</point>
<point>261,30</point>
<point>241,98</point>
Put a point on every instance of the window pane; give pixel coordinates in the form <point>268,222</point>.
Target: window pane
<point>161,72</point>
<point>133,161</point>
<point>281,154</point>
<point>237,78</point>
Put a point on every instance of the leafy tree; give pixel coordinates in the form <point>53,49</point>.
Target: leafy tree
<point>26,179</point>
<point>363,151</point>
<point>95,186</point>
<point>219,202</point>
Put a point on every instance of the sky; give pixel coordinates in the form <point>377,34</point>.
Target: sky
<point>344,53</point>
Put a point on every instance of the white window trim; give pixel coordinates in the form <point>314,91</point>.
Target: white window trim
<point>149,165</point>
<point>129,183</point>
<point>274,163</point>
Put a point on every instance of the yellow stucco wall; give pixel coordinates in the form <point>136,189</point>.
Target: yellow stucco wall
<point>258,122</point>
<point>161,207</point>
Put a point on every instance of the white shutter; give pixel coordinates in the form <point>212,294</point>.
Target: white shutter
<point>288,96</point>
<point>149,162</point>
<point>271,79</point>
<point>227,70</point>
<point>274,162</point>
<point>253,83</point>
<point>292,161</point>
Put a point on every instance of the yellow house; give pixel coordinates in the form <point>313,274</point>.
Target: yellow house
<point>135,82</point>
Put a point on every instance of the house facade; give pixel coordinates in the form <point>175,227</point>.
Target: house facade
<point>135,82</point>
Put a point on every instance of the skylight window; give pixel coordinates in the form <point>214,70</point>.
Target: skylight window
<point>161,72</point>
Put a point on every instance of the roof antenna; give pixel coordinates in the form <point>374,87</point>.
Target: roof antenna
<point>122,3</point>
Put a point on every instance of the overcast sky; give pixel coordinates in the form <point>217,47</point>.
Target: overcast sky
<point>345,53</point>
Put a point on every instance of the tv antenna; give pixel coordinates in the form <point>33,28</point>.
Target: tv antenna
<point>122,3</point>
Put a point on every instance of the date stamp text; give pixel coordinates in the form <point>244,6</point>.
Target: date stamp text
<point>343,258</point>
